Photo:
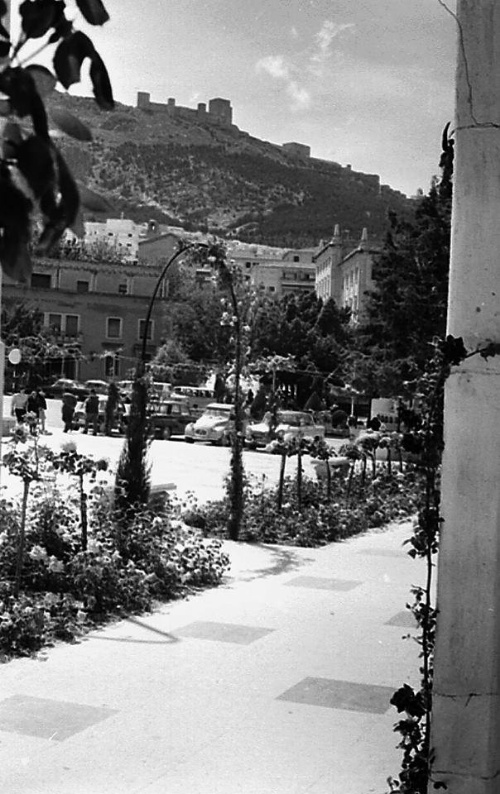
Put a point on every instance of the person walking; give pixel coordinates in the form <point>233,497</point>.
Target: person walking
<point>18,405</point>
<point>42,410</point>
<point>91,412</point>
<point>68,410</point>
<point>33,408</point>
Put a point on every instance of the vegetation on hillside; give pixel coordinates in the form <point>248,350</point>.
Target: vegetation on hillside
<point>203,177</point>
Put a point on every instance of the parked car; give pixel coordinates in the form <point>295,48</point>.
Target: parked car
<point>121,416</point>
<point>169,417</point>
<point>290,424</point>
<point>159,390</point>
<point>215,425</point>
<point>99,386</point>
<point>199,398</point>
<point>56,390</point>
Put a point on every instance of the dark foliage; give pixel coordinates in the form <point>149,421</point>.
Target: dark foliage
<point>407,311</point>
<point>133,483</point>
<point>35,181</point>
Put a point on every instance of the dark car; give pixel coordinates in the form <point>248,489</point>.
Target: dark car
<point>169,417</point>
<point>61,385</point>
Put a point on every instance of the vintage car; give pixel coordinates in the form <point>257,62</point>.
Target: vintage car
<point>169,417</point>
<point>215,425</point>
<point>290,424</point>
<point>61,385</point>
<point>99,386</point>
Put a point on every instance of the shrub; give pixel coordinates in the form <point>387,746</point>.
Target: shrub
<point>316,519</point>
<point>65,588</point>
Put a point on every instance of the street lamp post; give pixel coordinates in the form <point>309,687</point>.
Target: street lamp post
<point>132,477</point>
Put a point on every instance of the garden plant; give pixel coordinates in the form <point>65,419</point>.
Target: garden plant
<point>65,563</point>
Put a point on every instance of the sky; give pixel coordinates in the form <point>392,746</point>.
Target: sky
<point>368,83</point>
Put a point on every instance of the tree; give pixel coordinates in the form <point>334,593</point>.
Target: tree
<point>34,176</point>
<point>22,328</point>
<point>194,319</point>
<point>408,308</point>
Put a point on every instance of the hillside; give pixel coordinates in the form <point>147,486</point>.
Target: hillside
<point>203,176</point>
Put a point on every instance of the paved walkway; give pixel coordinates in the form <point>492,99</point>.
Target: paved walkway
<point>277,682</point>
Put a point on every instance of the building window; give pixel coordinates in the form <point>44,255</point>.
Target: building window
<point>272,289</point>
<point>111,366</point>
<point>54,322</point>
<point>296,258</point>
<point>72,324</point>
<point>82,286</point>
<point>114,328</point>
<point>142,327</point>
<point>41,280</point>
<point>123,289</point>
<point>248,265</point>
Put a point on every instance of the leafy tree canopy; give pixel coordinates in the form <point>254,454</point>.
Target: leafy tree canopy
<point>35,180</point>
<point>408,308</point>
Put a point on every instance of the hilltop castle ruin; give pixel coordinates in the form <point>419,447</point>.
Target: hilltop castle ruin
<point>220,113</point>
<point>219,110</point>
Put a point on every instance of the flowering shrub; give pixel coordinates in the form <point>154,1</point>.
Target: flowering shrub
<point>65,588</point>
<point>318,518</point>
<point>32,620</point>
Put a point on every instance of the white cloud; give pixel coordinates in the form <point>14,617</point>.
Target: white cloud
<point>329,31</point>
<point>301,98</point>
<point>280,69</point>
<point>275,65</point>
<point>325,37</point>
<point>300,71</point>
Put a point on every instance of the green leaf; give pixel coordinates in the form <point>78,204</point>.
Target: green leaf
<point>37,17</point>
<point>36,163</point>
<point>92,201</point>
<point>69,56</point>
<point>19,85</point>
<point>14,256</point>
<point>101,83</point>
<point>77,227</point>
<point>12,138</point>
<point>70,125</point>
<point>45,81</point>
<point>15,209</point>
<point>62,211</point>
<point>93,11</point>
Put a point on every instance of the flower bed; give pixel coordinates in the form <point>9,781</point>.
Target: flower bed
<point>68,562</point>
<point>319,518</point>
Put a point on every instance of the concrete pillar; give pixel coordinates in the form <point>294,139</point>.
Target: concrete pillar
<point>6,23</point>
<point>466,702</point>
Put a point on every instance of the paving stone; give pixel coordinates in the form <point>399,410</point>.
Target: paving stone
<point>222,632</point>
<point>405,619</point>
<point>48,719</point>
<point>333,694</point>
<point>322,583</point>
<point>384,552</point>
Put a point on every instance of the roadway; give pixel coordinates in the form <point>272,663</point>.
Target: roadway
<point>198,468</point>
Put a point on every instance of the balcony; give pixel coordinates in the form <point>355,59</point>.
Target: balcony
<point>64,338</point>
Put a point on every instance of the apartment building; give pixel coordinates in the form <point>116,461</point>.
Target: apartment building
<point>344,271</point>
<point>95,312</point>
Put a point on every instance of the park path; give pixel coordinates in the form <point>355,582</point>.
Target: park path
<point>276,682</point>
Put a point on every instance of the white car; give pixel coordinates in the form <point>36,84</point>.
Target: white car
<point>291,424</point>
<point>215,425</point>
